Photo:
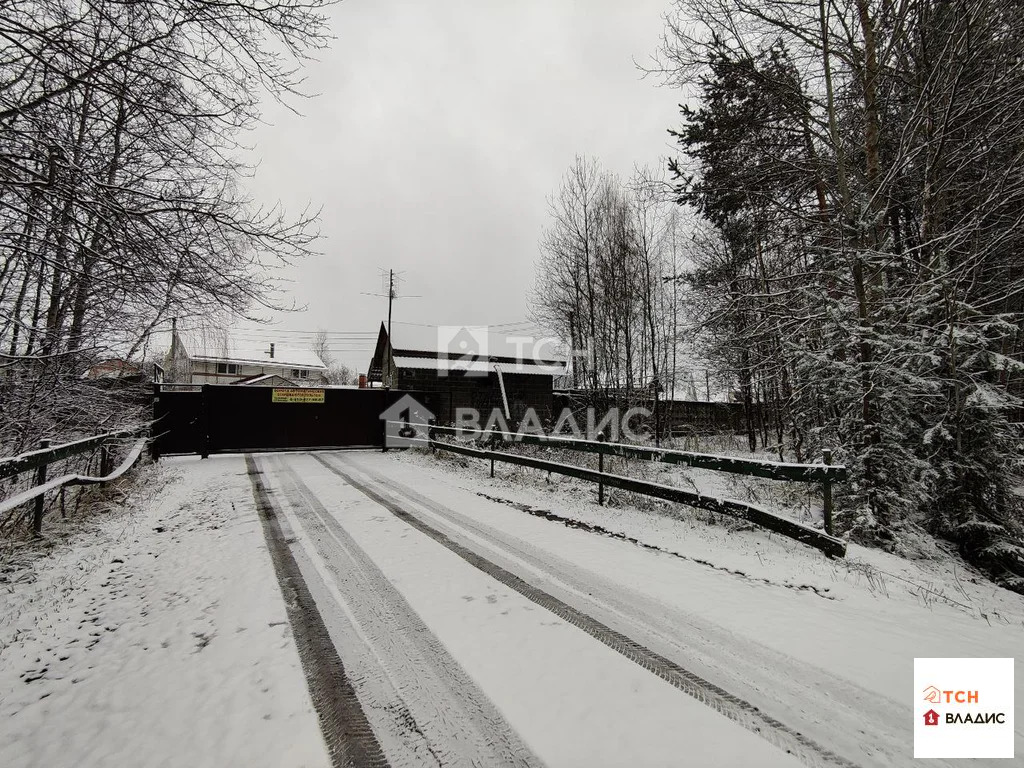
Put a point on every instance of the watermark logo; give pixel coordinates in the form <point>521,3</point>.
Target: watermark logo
<point>463,349</point>
<point>973,701</point>
<point>406,423</point>
<point>541,351</point>
<point>475,350</point>
<point>614,424</point>
<point>934,695</point>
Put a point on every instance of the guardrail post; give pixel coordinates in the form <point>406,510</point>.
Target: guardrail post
<point>37,517</point>
<point>600,469</point>
<point>826,493</point>
<point>430,436</point>
<point>491,443</point>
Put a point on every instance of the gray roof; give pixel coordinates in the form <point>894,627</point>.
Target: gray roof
<point>476,366</point>
<point>227,350</point>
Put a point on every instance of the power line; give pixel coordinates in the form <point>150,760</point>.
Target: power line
<point>272,331</point>
<point>472,327</point>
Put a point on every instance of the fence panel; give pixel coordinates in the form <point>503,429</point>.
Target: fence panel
<point>235,418</point>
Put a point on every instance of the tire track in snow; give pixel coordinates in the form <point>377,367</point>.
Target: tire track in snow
<point>350,740</point>
<point>600,530</point>
<point>740,711</point>
<point>716,652</point>
<point>430,694</point>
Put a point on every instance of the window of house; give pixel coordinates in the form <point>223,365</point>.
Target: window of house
<point>300,373</point>
<point>231,368</point>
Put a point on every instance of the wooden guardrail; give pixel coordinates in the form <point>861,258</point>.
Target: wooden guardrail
<point>40,459</point>
<point>45,454</point>
<point>773,470</point>
<point>825,473</point>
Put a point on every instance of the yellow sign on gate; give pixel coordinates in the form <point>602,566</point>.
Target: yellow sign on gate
<point>297,395</point>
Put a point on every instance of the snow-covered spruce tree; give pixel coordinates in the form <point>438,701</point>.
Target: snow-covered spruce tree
<point>872,153</point>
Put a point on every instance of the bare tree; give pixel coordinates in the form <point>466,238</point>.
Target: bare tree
<point>600,280</point>
<point>118,197</point>
<point>337,373</point>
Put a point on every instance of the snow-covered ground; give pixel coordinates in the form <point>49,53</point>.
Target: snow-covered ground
<point>826,646</point>
<point>156,637</point>
<point>480,621</point>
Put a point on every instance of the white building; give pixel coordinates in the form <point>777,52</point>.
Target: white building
<point>198,360</point>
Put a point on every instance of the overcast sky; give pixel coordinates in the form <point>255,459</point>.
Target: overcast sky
<point>439,130</point>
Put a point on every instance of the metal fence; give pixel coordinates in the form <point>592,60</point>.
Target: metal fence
<point>222,418</point>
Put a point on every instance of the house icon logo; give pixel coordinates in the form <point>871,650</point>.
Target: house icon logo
<point>462,349</point>
<point>931,717</point>
<point>405,423</point>
<point>932,695</point>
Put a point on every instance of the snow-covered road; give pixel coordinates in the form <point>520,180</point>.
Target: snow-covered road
<point>443,618</point>
<point>457,664</point>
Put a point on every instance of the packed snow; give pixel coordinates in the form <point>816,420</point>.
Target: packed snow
<point>826,646</point>
<point>158,634</point>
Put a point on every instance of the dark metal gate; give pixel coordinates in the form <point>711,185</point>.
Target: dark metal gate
<point>222,418</point>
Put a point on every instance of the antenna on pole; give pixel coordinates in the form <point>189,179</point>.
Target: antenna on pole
<point>391,284</point>
<point>392,293</point>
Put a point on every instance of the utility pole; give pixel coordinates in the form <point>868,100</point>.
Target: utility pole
<point>391,298</point>
<point>391,346</point>
<point>391,283</point>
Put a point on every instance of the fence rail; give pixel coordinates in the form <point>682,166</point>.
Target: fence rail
<point>773,470</point>
<point>823,473</point>
<point>15,465</point>
<point>40,459</point>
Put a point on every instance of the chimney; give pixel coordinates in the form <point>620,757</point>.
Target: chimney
<point>271,350</point>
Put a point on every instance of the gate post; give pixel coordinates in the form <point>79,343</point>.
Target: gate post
<point>154,448</point>
<point>204,406</point>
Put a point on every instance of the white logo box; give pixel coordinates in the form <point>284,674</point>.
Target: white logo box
<point>948,687</point>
